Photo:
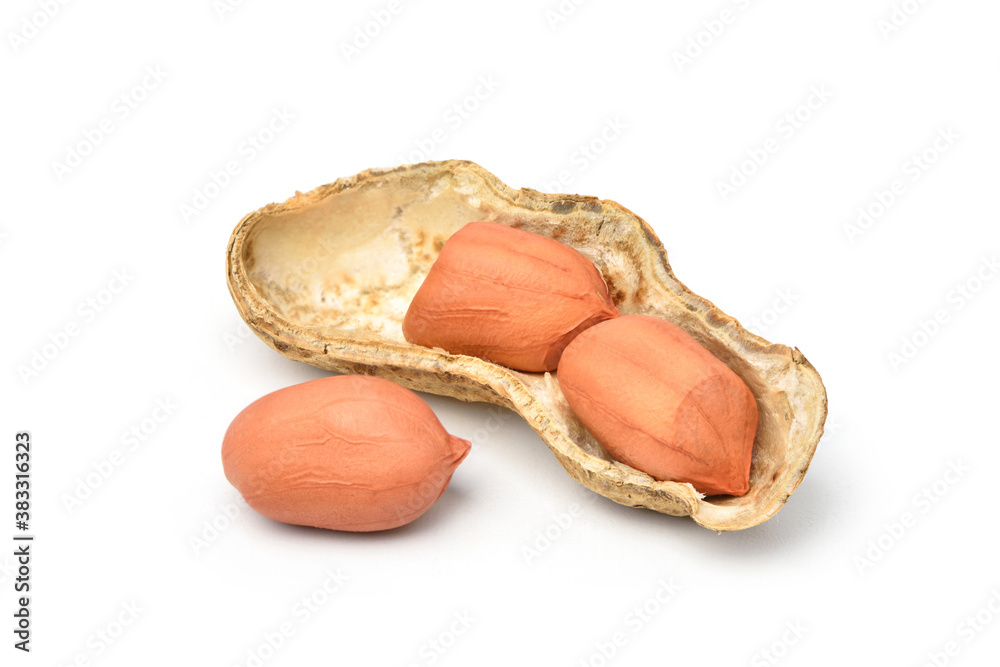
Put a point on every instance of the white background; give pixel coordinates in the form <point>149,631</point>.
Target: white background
<point>837,563</point>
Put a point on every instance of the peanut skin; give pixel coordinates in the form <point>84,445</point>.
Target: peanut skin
<point>347,452</point>
<point>660,402</point>
<point>508,296</point>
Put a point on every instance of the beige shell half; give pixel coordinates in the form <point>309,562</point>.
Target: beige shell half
<point>326,277</point>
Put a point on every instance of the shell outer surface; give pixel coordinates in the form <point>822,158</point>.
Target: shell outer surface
<point>326,277</point>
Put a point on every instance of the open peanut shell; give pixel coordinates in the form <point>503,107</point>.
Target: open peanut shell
<point>326,277</point>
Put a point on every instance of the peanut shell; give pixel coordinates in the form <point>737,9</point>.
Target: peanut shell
<point>326,277</point>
